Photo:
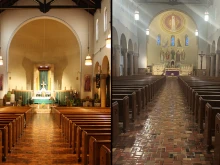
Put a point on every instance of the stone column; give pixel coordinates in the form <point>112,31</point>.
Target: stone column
<point>131,53</point>
<point>103,90</point>
<point>135,63</point>
<point>217,63</point>
<point>117,54</point>
<point>212,65</point>
<point>125,55</point>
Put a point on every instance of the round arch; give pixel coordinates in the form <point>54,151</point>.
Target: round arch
<point>38,46</point>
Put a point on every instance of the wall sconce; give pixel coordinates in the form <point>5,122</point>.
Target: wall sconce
<point>108,41</point>
<point>206,17</point>
<point>1,60</point>
<point>136,15</point>
<point>147,32</point>
<point>196,33</point>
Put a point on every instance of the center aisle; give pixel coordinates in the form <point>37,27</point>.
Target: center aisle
<point>165,136</point>
<point>41,143</point>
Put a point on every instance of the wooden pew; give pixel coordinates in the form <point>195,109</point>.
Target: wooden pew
<point>1,146</point>
<point>105,155</point>
<point>68,126</point>
<point>132,103</point>
<point>85,142</point>
<point>92,131</point>
<point>80,128</point>
<point>123,112</point>
<point>115,122</point>
<point>196,94</point>
<point>138,97</point>
<point>197,103</point>
<point>74,130</point>
<point>10,135</point>
<point>142,94</point>
<point>217,140</point>
<point>4,131</point>
<point>94,149</point>
<point>210,113</point>
<point>201,112</point>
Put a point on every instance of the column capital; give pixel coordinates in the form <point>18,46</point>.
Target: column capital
<point>116,46</point>
<point>136,54</point>
<point>212,54</point>
<point>131,52</point>
<point>124,50</point>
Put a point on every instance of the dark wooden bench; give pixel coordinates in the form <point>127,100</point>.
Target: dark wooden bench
<point>94,149</point>
<point>138,97</point>
<point>197,104</point>
<point>201,111</point>
<point>115,122</point>
<point>4,130</point>
<point>217,140</point>
<point>197,93</point>
<point>210,113</point>
<point>132,103</point>
<point>123,112</point>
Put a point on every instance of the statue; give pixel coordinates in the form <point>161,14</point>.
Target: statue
<point>161,55</point>
<point>172,54</point>
<point>178,54</point>
<point>167,55</point>
<point>183,55</point>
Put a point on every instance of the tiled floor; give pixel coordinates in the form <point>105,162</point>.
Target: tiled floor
<point>166,135</point>
<point>41,144</point>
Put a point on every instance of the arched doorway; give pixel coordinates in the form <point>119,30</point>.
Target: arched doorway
<point>105,83</point>
<point>46,51</point>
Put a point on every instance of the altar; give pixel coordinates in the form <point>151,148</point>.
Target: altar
<point>172,71</point>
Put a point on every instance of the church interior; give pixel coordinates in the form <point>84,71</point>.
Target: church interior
<point>165,82</point>
<point>55,80</point>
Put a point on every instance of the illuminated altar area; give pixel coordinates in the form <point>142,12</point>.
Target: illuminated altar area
<point>43,83</point>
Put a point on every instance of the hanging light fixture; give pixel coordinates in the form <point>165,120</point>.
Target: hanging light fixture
<point>196,33</point>
<point>88,60</point>
<point>147,32</point>
<point>108,41</point>
<point>136,15</point>
<point>206,17</point>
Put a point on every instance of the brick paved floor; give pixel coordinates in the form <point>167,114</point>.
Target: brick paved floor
<point>41,144</point>
<point>166,135</point>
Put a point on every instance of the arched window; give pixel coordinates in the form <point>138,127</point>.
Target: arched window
<point>159,39</point>
<point>105,19</point>
<point>186,40</point>
<point>172,40</point>
<point>97,30</point>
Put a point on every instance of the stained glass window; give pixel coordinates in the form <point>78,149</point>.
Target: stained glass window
<point>158,39</point>
<point>172,40</point>
<point>186,40</point>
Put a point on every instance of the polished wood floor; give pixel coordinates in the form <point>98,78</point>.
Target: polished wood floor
<point>41,144</point>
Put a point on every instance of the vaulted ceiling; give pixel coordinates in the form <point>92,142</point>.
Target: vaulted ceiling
<point>45,5</point>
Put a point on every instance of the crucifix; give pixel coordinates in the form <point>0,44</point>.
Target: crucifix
<point>43,84</point>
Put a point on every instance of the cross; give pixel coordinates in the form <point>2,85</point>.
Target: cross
<point>43,84</point>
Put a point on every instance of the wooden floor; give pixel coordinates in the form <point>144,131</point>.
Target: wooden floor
<point>41,143</point>
<point>167,135</point>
